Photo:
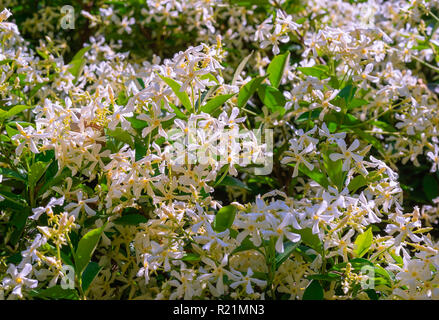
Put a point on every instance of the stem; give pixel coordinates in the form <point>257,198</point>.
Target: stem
<point>426,64</point>
<point>432,14</point>
<point>192,96</point>
<point>223,176</point>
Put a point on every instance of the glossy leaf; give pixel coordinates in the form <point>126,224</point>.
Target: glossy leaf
<point>216,102</point>
<point>77,63</point>
<point>86,247</point>
<point>314,291</point>
<point>248,90</point>
<point>224,218</point>
<point>131,220</point>
<point>272,98</point>
<point>363,243</point>
<point>89,274</point>
<point>276,68</point>
<point>182,95</point>
<point>289,248</point>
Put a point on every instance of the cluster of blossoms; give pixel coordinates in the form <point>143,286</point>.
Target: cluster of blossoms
<point>265,161</point>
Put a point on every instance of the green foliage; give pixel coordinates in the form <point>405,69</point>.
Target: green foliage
<point>89,274</point>
<point>86,247</point>
<point>78,62</point>
<point>182,95</point>
<point>363,243</point>
<point>224,218</point>
<point>213,104</point>
<point>248,90</point>
<point>314,291</point>
<point>277,67</point>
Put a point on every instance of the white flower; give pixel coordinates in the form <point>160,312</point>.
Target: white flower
<point>18,279</point>
<point>277,36</point>
<point>217,273</point>
<point>434,157</point>
<point>212,237</point>
<point>81,204</point>
<point>365,76</point>
<point>331,137</point>
<point>346,154</point>
<point>154,121</point>
<point>247,281</point>
<point>298,156</point>
<point>37,212</point>
<point>5,14</point>
<point>282,230</point>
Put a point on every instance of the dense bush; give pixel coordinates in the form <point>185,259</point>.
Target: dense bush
<point>204,149</point>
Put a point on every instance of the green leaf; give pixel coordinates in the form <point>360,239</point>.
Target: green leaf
<point>121,135</point>
<point>245,245</point>
<point>178,113</point>
<point>334,83</point>
<point>11,131</point>
<point>36,172</point>
<point>140,149</point>
<point>13,111</point>
<point>319,71</point>
<point>371,294</point>
<point>399,261</point>
<point>141,82</point>
<point>310,239</point>
<point>2,62</point>
<point>215,103</point>
<point>363,243</point>
<point>4,138</point>
<point>183,96</point>
<point>383,125</point>
<point>314,291</point>
<point>276,68</point>
<point>191,257</point>
<point>356,263</point>
<point>89,274</point>
<point>18,221</point>
<point>36,88</point>
<point>248,90</point>
<point>8,173</point>
<point>136,123</point>
<point>334,170</point>
<point>430,187</point>
<point>78,62</point>
<point>250,3</point>
<point>324,277</point>
<point>361,181</point>
<point>309,115</point>
<point>272,98</point>
<point>54,180</point>
<point>315,174</point>
<point>131,220</point>
<point>55,293</point>
<point>86,247</point>
<point>289,248</point>
<point>356,183</point>
<point>15,259</point>
<point>122,98</point>
<point>383,274</point>
<point>348,93</point>
<point>224,218</point>
<point>378,275</point>
<point>355,103</point>
<point>13,201</point>
<point>209,76</point>
<point>233,182</point>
